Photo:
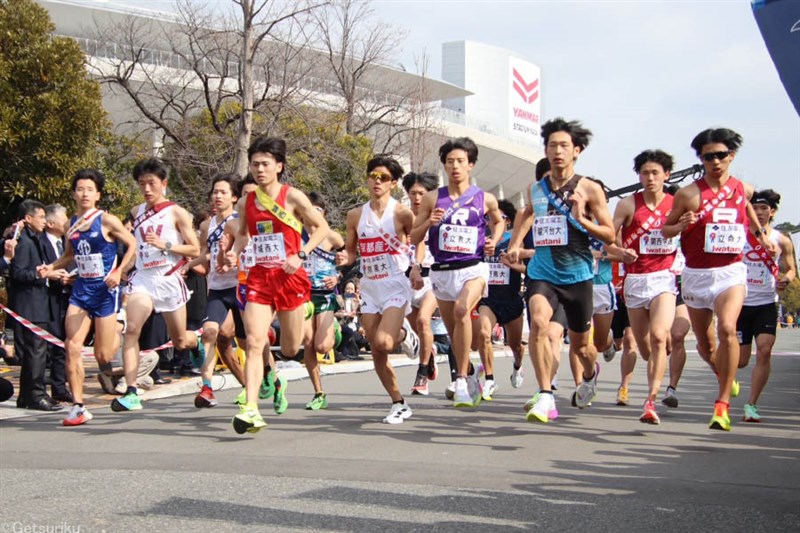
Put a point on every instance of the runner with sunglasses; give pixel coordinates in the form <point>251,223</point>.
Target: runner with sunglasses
<point>378,232</point>
<point>711,215</point>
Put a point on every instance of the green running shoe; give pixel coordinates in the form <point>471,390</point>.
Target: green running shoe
<point>248,421</point>
<point>267,389</point>
<point>751,413</point>
<point>241,398</point>
<point>735,389</point>
<point>198,355</point>
<point>129,402</point>
<point>280,402</point>
<point>720,420</point>
<point>320,401</point>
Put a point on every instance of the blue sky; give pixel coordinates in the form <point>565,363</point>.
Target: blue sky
<point>638,74</point>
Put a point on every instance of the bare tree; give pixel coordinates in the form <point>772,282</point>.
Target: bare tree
<point>206,71</point>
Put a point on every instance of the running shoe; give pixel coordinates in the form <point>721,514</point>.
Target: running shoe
<point>129,402</point>
<point>622,396</point>
<point>720,420</point>
<point>530,403</point>
<point>474,386</point>
<point>398,413</point>
<point>319,401</point>
<point>554,384</point>
<point>205,398</point>
<point>106,383</point>
<point>751,413</point>
<point>433,370</point>
<point>735,389</point>
<point>280,403</point>
<point>609,353</point>
<point>420,386</point>
<point>410,344</point>
<point>670,398</point>
<point>489,388</point>
<point>241,398</point>
<point>462,396</point>
<point>77,415</point>
<point>450,391</point>
<point>587,390</point>
<point>543,410</point>
<point>267,389</point>
<point>198,355</point>
<point>517,377</point>
<point>649,414</point>
<point>248,421</point>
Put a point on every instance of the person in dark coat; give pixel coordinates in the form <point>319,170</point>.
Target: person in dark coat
<point>29,298</point>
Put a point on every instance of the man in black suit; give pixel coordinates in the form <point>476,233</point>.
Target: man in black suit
<point>29,298</point>
<point>58,292</point>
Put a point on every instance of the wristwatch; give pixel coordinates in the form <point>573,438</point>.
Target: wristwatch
<point>302,255</point>
<point>167,247</point>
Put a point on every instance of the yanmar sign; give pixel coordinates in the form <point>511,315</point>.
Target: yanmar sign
<point>524,101</point>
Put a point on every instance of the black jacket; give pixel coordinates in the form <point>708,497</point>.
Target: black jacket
<point>58,292</point>
<point>28,293</point>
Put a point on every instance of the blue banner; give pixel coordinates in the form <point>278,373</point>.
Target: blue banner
<point>779,22</point>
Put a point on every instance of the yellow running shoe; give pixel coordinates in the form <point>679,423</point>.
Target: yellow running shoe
<point>720,420</point>
<point>734,389</point>
<point>622,396</point>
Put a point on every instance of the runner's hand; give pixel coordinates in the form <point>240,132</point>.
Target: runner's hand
<point>415,277</point>
<point>511,255</point>
<point>292,264</point>
<point>113,278</point>
<point>488,246</point>
<point>436,216</point>
<point>629,256</point>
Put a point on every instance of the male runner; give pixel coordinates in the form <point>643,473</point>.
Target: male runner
<point>273,217</point>
<point>164,239</point>
<point>563,266</point>
<point>92,245</point>
<point>455,219</point>
<point>320,336</point>
<point>649,283</point>
<point>710,215</point>
<point>502,306</point>
<point>759,316</point>
<point>380,230</point>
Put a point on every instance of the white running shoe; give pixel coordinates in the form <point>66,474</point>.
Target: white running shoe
<point>609,353</point>
<point>410,344</point>
<point>489,388</point>
<point>587,390</point>
<point>450,391</point>
<point>462,396</point>
<point>543,410</point>
<point>517,377</point>
<point>398,413</point>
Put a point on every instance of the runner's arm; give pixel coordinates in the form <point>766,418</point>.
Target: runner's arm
<point>599,224</point>
<point>522,225</point>
<point>788,262</point>
<point>183,223</point>
<point>492,209</point>
<point>117,231</point>
<point>203,258</point>
<point>313,221</point>
<point>348,255</point>
<point>681,217</point>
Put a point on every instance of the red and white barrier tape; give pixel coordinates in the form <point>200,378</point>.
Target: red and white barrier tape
<point>87,352</point>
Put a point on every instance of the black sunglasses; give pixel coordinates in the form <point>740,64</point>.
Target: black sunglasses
<point>715,155</point>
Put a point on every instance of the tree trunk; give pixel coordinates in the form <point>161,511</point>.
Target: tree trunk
<point>246,119</point>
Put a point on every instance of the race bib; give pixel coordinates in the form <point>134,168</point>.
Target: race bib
<point>247,258</point>
<point>90,266</point>
<point>151,257</point>
<point>458,239</point>
<point>725,238</point>
<point>376,267</point>
<point>653,242</point>
<point>268,248</point>
<point>499,274</point>
<point>550,231</point>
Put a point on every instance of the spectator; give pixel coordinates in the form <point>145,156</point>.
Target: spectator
<point>29,298</point>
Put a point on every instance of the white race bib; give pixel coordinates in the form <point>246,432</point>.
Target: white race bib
<point>653,242</point>
<point>90,266</point>
<point>458,239</point>
<point>550,230</point>
<point>499,274</point>
<point>724,238</point>
<point>375,267</point>
<point>268,248</point>
<point>247,259</point>
<point>151,257</point>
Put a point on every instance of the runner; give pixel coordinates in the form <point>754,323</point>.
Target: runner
<point>380,230</point>
<point>423,302</point>
<point>92,246</point>
<point>562,268</point>
<point>503,305</point>
<point>221,286</point>
<point>455,219</point>
<point>710,215</point>
<point>759,316</point>
<point>273,217</point>
<point>649,283</point>
<point>676,345</point>
<point>164,239</point>
<point>322,325</point>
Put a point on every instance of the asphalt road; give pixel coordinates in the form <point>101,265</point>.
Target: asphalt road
<point>172,467</point>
